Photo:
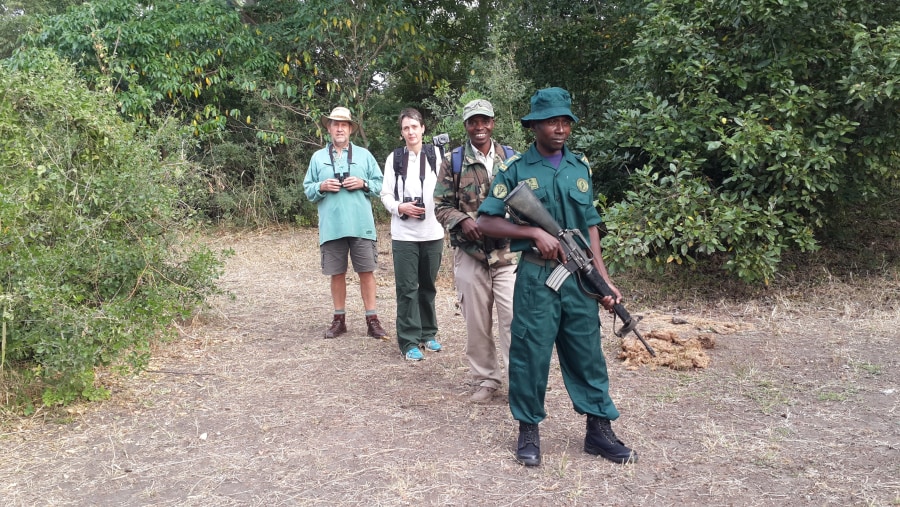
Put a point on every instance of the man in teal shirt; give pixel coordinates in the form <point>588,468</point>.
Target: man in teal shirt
<point>542,317</point>
<point>340,179</point>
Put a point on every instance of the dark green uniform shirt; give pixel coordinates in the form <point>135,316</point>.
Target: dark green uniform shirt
<point>543,317</point>
<point>566,192</point>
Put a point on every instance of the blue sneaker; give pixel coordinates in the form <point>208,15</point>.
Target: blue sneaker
<point>433,346</point>
<point>414,354</point>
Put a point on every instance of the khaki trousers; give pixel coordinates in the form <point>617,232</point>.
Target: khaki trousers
<point>480,289</point>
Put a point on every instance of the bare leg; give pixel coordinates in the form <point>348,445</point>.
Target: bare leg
<point>339,291</point>
<point>367,287</point>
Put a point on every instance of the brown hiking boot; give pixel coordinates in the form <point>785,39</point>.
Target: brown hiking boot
<point>338,327</point>
<point>483,394</point>
<point>375,330</point>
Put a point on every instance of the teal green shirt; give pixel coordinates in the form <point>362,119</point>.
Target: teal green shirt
<point>566,192</point>
<point>347,213</point>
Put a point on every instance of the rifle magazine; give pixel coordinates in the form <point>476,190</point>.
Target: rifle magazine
<point>557,277</point>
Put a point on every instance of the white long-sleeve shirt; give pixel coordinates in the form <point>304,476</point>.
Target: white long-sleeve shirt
<point>411,229</point>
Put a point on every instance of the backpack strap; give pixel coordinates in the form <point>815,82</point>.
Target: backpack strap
<point>401,159</point>
<point>456,168</point>
<point>456,160</point>
<point>456,164</point>
<point>431,155</point>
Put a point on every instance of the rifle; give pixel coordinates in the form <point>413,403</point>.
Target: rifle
<point>523,203</point>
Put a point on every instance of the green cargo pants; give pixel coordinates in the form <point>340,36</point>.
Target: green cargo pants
<point>569,319</point>
<point>416,265</point>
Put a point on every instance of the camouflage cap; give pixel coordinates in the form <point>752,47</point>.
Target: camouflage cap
<point>476,107</point>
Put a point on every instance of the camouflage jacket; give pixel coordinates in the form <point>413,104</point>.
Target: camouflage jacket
<point>457,197</point>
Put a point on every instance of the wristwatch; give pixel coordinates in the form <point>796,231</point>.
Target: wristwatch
<point>365,187</point>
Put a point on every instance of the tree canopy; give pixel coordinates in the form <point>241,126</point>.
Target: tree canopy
<point>730,131</point>
<point>744,128</point>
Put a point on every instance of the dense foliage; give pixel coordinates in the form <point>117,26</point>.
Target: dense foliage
<point>725,133</point>
<point>732,131</point>
<point>575,44</point>
<point>93,260</point>
<point>18,16</point>
<point>739,129</point>
<point>251,78</point>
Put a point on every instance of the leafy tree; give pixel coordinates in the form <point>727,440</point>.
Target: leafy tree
<point>573,44</point>
<point>252,78</point>
<point>493,75</point>
<point>345,53</point>
<point>744,126</point>
<point>92,267</point>
<point>161,55</point>
<point>457,33</point>
<point>16,17</point>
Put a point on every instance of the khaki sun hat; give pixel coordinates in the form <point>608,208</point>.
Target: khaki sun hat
<point>340,114</point>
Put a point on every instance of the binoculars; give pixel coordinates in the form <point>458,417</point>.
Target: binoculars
<point>417,202</point>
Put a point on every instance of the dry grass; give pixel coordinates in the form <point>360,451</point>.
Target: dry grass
<point>798,406</point>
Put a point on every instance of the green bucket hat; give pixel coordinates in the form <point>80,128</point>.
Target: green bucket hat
<point>549,103</point>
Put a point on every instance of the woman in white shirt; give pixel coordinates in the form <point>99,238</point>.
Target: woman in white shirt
<point>417,238</point>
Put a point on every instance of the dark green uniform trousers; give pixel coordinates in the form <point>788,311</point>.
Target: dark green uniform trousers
<point>569,319</point>
<point>416,265</point>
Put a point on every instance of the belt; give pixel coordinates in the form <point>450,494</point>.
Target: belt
<point>536,259</point>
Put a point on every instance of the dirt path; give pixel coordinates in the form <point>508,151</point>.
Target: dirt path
<point>252,407</point>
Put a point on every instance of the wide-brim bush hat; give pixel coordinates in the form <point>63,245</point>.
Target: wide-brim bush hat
<point>549,103</point>
<point>476,107</point>
<point>340,114</point>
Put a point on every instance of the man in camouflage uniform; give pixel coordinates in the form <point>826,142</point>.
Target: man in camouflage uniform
<point>483,267</point>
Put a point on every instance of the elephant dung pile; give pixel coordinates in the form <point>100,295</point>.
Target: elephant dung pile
<point>681,342</point>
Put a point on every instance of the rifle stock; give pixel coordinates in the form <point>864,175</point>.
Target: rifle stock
<point>522,201</point>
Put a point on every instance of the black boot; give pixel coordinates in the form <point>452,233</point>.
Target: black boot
<point>600,440</point>
<point>528,450</point>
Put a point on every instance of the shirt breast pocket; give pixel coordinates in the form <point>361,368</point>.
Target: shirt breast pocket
<point>472,188</point>
<point>581,199</point>
<point>543,196</point>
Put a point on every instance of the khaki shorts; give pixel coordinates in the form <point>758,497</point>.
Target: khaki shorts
<point>362,252</point>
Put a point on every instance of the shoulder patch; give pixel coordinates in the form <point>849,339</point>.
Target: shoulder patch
<point>583,159</point>
<point>500,191</point>
<point>505,164</point>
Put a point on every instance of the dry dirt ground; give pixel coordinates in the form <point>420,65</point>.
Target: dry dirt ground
<point>798,406</point>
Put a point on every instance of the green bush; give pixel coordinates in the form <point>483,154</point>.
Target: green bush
<point>93,264</point>
<point>742,130</point>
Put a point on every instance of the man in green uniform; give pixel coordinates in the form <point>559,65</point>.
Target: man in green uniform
<point>542,317</point>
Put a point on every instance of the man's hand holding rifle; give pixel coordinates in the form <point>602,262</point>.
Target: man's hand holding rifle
<point>552,242</point>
